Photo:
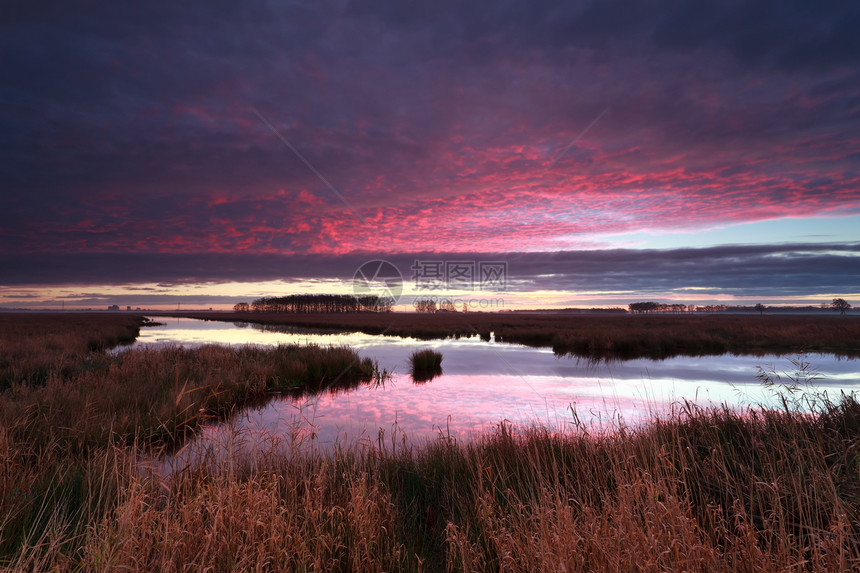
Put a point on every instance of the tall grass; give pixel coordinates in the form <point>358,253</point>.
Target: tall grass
<point>158,396</point>
<point>63,438</point>
<point>33,346</point>
<point>700,489</point>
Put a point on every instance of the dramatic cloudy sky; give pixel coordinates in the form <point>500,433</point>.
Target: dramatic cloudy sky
<point>607,151</point>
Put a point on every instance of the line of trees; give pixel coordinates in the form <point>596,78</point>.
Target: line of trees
<point>296,303</point>
<point>333,303</point>
<point>659,307</point>
<point>838,304</point>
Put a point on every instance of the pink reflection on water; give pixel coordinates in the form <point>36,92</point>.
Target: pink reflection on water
<point>482,385</point>
<point>459,406</point>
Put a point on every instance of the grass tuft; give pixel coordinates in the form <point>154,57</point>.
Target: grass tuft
<point>425,365</point>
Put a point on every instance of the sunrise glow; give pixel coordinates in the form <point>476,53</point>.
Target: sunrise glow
<point>155,160</point>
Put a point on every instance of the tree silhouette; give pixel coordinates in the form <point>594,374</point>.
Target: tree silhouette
<point>760,308</point>
<point>644,306</point>
<point>425,305</point>
<point>841,305</point>
<point>302,303</point>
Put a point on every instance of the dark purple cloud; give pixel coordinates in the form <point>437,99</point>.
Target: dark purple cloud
<point>130,130</point>
<point>744,270</point>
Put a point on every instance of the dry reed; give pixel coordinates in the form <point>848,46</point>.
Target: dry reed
<point>699,490</point>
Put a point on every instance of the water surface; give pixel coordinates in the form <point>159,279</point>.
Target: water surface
<point>485,383</point>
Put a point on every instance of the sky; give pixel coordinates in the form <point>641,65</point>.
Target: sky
<point>206,153</point>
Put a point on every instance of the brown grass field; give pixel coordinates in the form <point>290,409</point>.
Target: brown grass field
<point>599,335</point>
<point>34,344</point>
<point>699,490</point>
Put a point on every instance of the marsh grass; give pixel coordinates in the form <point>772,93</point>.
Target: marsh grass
<point>34,346</point>
<point>59,433</point>
<point>425,365</point>
<point>699,489</point>
<point>599,336</point>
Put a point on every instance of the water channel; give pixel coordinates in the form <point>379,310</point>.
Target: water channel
<point>485,383</point>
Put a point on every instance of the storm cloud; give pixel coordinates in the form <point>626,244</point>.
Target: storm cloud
<point>205,140</point>
<point>784,270</point>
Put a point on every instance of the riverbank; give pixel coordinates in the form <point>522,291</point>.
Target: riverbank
<point>599,335</point>
<point>700,489</point>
